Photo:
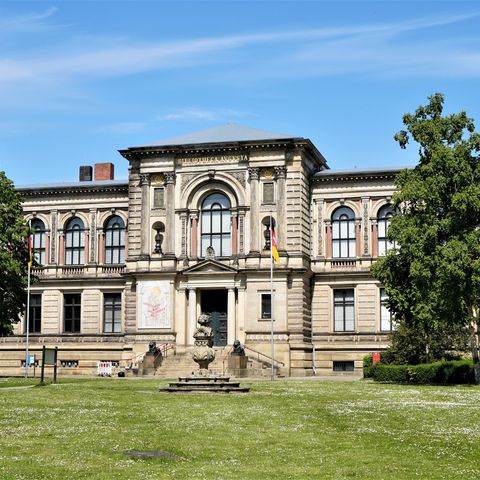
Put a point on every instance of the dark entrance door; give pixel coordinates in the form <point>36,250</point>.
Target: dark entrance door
<point>215,303</point>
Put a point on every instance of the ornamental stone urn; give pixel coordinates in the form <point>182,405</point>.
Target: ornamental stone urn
<point>203,353</point>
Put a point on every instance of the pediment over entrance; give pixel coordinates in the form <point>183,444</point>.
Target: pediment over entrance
<point>210,266</point>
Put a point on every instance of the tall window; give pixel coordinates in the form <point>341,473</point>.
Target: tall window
<point>72,308</point>
<point>112,313</point>
<point>343,233</point>
<point>115,240</point>
<point>266,305</point>
<point>35,314</point>
<point>344,310</point>
<point>383,221</point>
<point>39,236</point>
<point>386,318</point>
<point>216,225</point>
<point>74,242</point>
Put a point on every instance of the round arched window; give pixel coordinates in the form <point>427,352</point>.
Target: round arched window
<point>215,225</point>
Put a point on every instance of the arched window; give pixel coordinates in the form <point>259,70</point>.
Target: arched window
<point>215,225</point>
<point>383,221</point>
<point>74,242</point>
<point>115,240</point>
<point>39,238</point>
<point>343,233</point>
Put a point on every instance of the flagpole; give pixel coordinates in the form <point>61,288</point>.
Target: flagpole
<point>271,299</point>
<point>28,298</point>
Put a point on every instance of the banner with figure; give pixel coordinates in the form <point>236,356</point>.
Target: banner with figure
<point>153,304</point>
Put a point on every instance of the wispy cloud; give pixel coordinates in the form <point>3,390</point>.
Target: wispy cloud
<point>360,48</point>
<point>25,21</point>
<point>193,113</point>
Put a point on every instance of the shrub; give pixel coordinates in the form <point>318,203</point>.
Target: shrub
<point>368,360</point>
<point>445,373</point>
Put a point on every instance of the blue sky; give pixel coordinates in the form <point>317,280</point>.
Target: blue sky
<point>80,80</point>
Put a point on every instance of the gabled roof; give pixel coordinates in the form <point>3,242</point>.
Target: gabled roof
<point>231,132</point>
<point>208,266</point>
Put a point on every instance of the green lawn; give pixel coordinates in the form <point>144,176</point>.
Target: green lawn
<point>282,430</point>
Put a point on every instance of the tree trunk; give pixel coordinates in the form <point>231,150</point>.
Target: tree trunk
<point>475,356</point>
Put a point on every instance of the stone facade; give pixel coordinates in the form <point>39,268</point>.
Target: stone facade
<point>139,267</point>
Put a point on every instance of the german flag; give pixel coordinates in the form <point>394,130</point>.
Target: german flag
<point>274,248</point>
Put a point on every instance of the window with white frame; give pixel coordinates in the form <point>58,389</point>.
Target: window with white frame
<point>386,317</point>
<point>74,242</point>
<point>38,240</point>
<point>344,310</point>
<point>115,240</point>
<point>343,233</point>
<point>384,218</point>
<point>215,225</point>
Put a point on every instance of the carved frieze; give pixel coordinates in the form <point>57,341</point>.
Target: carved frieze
<point>239,176</point>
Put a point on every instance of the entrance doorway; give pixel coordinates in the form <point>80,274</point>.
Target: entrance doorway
<point>215,303</point>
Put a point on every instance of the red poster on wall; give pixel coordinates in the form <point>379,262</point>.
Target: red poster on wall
<point>375,357</point>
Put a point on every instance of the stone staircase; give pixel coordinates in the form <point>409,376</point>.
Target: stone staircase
<point>181,364</point>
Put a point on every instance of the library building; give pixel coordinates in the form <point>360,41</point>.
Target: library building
<point>123,263</point>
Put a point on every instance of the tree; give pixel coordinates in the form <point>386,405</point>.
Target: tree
<point>432,277</point>
<point>13,256</point>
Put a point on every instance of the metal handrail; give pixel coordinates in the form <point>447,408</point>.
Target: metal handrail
<point>263,355</point>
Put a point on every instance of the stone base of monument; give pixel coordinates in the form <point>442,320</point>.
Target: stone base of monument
<point>204,384</point>
<point>237,365</point>
<point>150,363</point>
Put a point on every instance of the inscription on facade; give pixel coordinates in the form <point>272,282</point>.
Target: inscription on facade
<point>212,159</point>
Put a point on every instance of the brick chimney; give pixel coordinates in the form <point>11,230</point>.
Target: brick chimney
<point>104,171</point>
<point>85,173</point>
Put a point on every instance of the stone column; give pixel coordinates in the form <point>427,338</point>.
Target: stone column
<point>101,247</point>
<point>93,236</point>
<point>47,248</point>
<point>145,216</point>
<point>231,324</point>
<point>192,315</point>
<point>358,238</point>
<point>280,230</point>
<point>328,227</point>
<point>254,220</point>
<point>61,249</point>
<point>53,236</point>
<point>320,228</point>
<point>170,207</point>
<point>374,238</point>
<point>86,250</point>
<point>365,227</point>
<point>194,239</point>
<point>240,332</point>
<point>180,318</point>
<point>234,234</point>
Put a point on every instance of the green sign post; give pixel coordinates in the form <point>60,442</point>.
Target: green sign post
<point>49,357</point>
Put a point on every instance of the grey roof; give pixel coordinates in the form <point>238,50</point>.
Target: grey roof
<point>231,132</point>
<point>60,185</point>
<point>360,171</point>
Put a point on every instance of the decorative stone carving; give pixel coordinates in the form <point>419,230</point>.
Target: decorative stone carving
<point>203,353</point>
<point>280,172</point>
<point>93,234</point>
<point>53,239</point>
<point>186,179</point>
<point>320,227</point>
<point>254,173</point>
<point>210,253</point>
<point>241,234</point>
<point>239,176</point>
<point>169,177</point>
<point>144,179</point>
<point>365,225</point>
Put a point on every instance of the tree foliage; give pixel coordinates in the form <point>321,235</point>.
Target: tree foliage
<point>13,256</point>
<point>432,278</point>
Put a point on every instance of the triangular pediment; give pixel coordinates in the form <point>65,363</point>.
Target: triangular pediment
<point>208,266</point>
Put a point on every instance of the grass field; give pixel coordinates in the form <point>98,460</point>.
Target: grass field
<point>288,429</point>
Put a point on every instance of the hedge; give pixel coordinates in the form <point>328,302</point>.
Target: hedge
<point>444,373</point>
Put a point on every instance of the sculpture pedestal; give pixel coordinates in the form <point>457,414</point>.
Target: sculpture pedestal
<point>237,365</point>
<point>150,363</point>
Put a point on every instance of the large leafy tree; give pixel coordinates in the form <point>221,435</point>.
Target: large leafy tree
<point>13,256</point>
<point>432,278</point>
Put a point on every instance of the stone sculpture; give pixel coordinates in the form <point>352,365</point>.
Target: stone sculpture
<point>203,353</point>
